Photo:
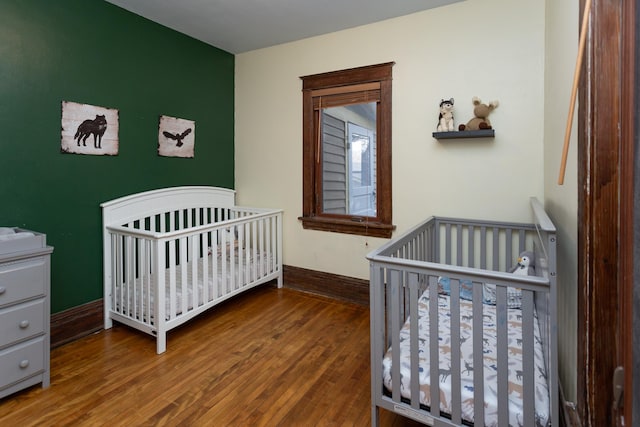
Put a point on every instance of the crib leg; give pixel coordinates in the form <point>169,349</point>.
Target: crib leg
<point>161,343</point>
<point>106,310</point>
<point>375,416</point>
<point>280,280</point>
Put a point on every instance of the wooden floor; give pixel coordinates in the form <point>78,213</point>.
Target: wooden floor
<point>270,357</point>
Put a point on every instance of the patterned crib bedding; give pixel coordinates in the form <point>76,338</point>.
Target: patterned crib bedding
<point>138,300</point>
<point>490,358</point>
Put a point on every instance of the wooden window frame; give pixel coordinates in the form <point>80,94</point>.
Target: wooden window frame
<point>341,83</point>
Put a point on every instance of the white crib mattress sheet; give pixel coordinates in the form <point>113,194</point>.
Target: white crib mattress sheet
<point>137,299</point>
<point>490,358</point>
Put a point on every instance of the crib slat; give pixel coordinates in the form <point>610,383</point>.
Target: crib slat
<point>434,348</point>
<point>130,278</point>
<point>413,340</point>
<point>159,300</point>
<point>172,279</point>
<point>495,250</point>
<point>522,240</point>
<point>240,255</point>
<point>207,278</point>
<point>274,241</point>
<point>396,322</point>
<point>268,244</point>
<point>528,365</point>
<point>136,283</point>
<point>231,258</point>
<point>412,247</point>
<point>124,284</point>
<point>448,244</point>
<point>478,362</point>
<point>483,247</point>
<point>237,248</point>
<point>459,244</point>
<point>172,221</point>
<point>502,350</point>
<point>129,294</point>
<point>146,278</point>
<point>139,273</point>
<point>184,282</point>
<point>471,260</point>
<point>260,249</point>
<point>215,256</point>
<point>205,266</point>
<point>254,250</point>
<point>137,260</point>
<point>248,236</point>
<point>509,250</point>
<point>261,260</point>
<point>194,271</point>
<point>455,368</point>
<point>222,242</point>
<point>268,237</point>
<point>140,262</point>
<point>117,294</point>
<point>435,242</point>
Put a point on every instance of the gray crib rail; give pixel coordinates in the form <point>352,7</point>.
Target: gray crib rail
<point>479,252</point>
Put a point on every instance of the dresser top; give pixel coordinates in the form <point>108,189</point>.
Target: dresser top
<point>15,240</point>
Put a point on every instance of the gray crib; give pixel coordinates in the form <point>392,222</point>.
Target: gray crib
<point>443,304</point>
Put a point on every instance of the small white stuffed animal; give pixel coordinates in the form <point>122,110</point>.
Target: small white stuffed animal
<point>525,265</point>
<point>445,120</point>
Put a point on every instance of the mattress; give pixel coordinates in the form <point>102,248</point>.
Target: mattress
<point>490,358</point>
<point>138,300</point>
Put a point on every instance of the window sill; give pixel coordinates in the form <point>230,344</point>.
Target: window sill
<point>338,225</point>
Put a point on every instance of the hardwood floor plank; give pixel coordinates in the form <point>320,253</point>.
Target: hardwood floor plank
<point>270,357</point>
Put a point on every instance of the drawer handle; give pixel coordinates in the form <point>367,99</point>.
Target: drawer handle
<point>24,324</point>
<point>24,364</point>
<point>2,290</point>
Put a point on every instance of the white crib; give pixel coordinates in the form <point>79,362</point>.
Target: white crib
<point>170,254</point>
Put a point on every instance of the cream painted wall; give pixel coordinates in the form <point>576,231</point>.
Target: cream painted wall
<point>562,32</point>
<point>493,49</point>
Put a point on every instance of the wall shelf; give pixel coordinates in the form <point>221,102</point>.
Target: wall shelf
<point>482,133</point>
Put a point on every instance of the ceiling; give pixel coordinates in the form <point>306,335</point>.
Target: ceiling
<point>238,26</point>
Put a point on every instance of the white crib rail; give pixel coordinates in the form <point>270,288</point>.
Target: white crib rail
<point>202,255</point>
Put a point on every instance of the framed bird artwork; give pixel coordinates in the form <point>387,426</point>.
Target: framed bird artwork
<point>176,137</point>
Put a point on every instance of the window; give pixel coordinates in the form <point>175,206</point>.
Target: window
<point>346,125</point>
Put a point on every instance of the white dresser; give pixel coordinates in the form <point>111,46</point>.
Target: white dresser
<point>24,311</point>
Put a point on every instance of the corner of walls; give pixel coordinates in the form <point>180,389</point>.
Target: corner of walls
<point>561,201</point>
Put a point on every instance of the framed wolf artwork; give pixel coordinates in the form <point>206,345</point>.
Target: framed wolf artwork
<point>89,129</point>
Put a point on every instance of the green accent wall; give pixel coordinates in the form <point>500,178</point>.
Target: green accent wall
<point>92,52</point>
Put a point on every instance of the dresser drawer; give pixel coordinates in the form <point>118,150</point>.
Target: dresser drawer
<point>21,361</point>
<point>21,321</point>
<point>22,280</point>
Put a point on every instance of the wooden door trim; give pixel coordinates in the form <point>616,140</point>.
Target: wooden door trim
<point>605,239</point>
<point>627,215</point>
